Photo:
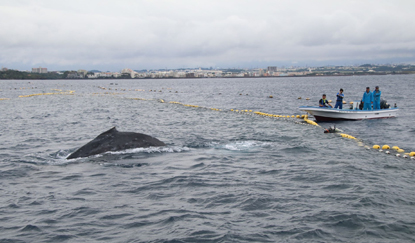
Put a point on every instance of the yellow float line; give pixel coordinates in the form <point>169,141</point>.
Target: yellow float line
<point>178,103</point>
<point>384,147</point>
<point>305,117</point>
<point>347,136</point>
<point>311,122</point>
<point>396,148</point>
<point>61,93</point>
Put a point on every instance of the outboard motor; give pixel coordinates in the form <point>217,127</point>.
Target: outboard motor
<point>384,104</point>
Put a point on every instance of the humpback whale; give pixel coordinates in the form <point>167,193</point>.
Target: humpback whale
<point>113,140</point>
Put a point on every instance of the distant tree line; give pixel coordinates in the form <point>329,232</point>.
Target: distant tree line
<point>395,68</point>
<point>13,74</point>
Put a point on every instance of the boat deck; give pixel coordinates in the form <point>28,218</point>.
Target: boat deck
<point>331,114</point>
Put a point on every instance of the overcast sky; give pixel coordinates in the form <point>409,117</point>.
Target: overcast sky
<point>152,34</point>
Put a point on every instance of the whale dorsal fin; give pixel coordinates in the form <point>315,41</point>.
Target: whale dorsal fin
<point>112,130</point>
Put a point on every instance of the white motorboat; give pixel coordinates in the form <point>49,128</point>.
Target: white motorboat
<point>332,114</point>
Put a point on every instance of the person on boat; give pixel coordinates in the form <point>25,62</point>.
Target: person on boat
<point>339,101</point>
<point>367,99</point>
<point>376,98</point>
<point>323,102</point>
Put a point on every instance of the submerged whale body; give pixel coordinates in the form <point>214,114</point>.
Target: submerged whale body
<point>113,140</point>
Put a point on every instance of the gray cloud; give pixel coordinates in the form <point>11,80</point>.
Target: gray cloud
<point>157,34</point>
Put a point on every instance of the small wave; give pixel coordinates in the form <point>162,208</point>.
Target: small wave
<point>30,227</point>
<point>242,145</point>
<point>61,154</point>
<point>151,150</point>
<point>59,157</point>
<point>128,165</point>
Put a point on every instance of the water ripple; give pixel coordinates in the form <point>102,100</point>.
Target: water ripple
<point>223,176</point>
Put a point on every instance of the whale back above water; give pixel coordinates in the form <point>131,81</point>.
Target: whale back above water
<point>113,140</point>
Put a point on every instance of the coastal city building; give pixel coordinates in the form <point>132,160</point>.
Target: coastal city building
<point>128,72</point>
<point>272,69</point>
<point>39,70</point>
<point>82,72</point>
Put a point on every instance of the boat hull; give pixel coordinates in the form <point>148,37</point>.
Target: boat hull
<point>331,114</point>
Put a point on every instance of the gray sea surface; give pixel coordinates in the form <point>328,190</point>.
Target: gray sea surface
<point>224,176</point>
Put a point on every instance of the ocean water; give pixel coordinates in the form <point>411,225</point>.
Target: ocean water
<point>224,176</point>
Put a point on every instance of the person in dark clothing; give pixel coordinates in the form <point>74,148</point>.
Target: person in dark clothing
<point>339,101</point>
<point>323,102</point>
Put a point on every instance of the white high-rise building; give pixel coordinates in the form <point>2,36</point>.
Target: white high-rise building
<point>39,70</point>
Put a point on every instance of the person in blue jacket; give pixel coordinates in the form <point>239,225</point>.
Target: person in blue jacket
<point>367,99</point>
<point>339,101</point>
<point>376,98</point>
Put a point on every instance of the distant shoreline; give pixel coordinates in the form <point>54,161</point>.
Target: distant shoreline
<point>29,77</point>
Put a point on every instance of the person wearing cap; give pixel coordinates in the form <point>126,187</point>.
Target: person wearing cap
<point>367,99</point>
<point>339,101</point>
<point>323,102</point>
<point>376,98</point>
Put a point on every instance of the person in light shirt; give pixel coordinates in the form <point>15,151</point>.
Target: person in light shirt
<point>367,99</point>
<point>376,98</point>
